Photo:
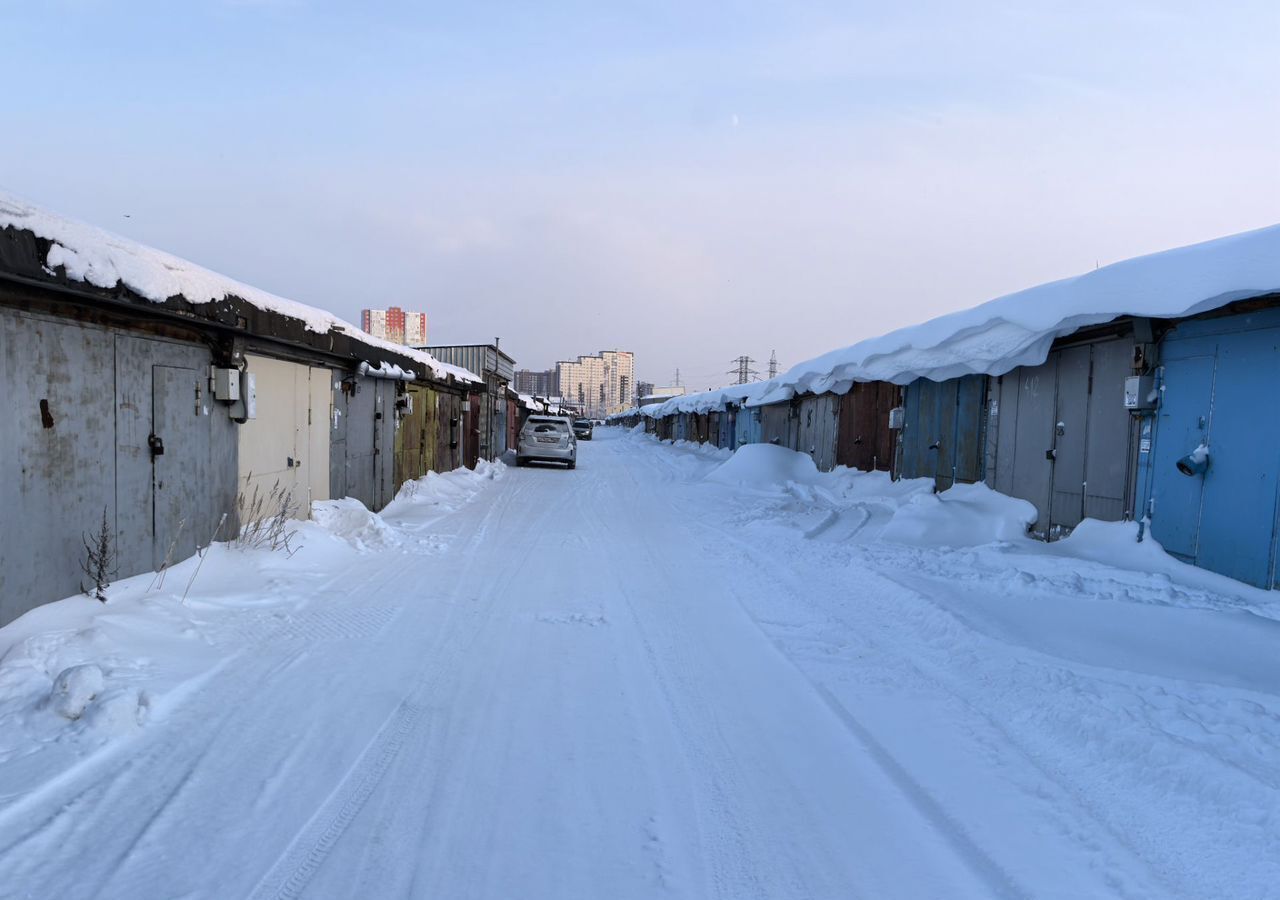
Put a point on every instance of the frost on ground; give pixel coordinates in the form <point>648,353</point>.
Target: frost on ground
<point>673,672</point>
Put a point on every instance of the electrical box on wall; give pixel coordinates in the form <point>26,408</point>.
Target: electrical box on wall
<point>896,417</point>
<point>1140,393</point>
<point>226,384</point>
<point>246,407</point>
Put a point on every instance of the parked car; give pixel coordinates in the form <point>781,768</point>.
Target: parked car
<point>547,439</point>
<point>582,429</point>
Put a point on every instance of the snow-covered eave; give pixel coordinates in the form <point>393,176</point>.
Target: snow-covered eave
<point>1019,329</point>
<point>79,253</point>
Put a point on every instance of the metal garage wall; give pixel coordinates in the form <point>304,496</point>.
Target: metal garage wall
<point>1063,436</point>
<point>1218,376</point>
<point>415,437</point>
<point>942,430</point>
<point>288,442</point>
<point>864,439</point>
<point>778,425</point>
<point>363,440</point>
<point>748,426</point>
<point>86,399</point>
<point>817,429</point>
<point>448,432</point>
<point>728,429</point>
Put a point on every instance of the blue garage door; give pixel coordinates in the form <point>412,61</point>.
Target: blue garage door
<point>1219,378</point>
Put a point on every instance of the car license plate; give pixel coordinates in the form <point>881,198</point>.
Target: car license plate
<point>548,440</point>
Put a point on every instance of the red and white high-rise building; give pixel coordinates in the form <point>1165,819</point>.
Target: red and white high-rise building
<point>395,324</point>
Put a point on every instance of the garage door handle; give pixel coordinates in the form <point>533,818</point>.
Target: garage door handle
<point>1051,454</point>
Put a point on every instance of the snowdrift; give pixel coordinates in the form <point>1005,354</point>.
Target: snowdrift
<point>870,505</point>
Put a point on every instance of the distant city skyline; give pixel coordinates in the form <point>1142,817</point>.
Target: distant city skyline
<point>691,183</point>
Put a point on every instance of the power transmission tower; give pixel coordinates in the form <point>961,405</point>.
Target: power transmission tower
<point>773,364</point>
<point>677,381</point>
<point>744,371</point>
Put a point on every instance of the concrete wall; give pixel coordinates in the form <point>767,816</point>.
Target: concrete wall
<point>85,399</point>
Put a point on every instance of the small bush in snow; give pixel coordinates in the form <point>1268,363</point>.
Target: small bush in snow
<point>266,519</point>
<point>99,563</point>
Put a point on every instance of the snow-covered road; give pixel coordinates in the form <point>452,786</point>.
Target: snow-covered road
<point>629,681</point>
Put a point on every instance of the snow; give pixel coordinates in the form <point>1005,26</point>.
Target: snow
<point>1018,329</point>
<point>387,370</point>
<point>98,257</point>
<point>676,671</point>
<point>74,688</point>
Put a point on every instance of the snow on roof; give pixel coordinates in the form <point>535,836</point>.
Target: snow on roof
<point>707,401</point>
<point>103,259</point>
<point>1018,329</point>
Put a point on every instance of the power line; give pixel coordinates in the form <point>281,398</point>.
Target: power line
<point>744,371</point>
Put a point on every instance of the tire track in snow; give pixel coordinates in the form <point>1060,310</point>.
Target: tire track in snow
<point>291,874</point>
<point>294,870</point>
<point>983,862</point>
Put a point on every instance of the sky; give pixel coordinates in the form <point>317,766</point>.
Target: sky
<point>689,181</point>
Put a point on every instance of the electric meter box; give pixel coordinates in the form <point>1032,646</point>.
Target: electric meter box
<point>896,417</point>
<point>1139,392</point>
<point>226,384</point>
<point>246,407</point>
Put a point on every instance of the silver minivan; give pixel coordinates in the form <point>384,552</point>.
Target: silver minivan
<point>547,439</point>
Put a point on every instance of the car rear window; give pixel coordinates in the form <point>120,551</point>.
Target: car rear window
<point>547,427</point>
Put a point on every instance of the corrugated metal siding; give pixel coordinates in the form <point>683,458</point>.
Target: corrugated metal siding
<point>777,425</point>
<point>728,428</point>
<point>748,426</point>
<point>864,439</point>
<point>817,429</point>
<point>942,430</point>
<point>1214,372</point>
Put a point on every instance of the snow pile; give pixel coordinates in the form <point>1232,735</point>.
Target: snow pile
<point>352,521</point>
<point>766,464</point>
<point>77,674</point>
<point>103,259</point>
<point>436,494</point>
<point>1018,329</point>
<point>965,515</point>
<point>847,504</point>
<point>74,688</point>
